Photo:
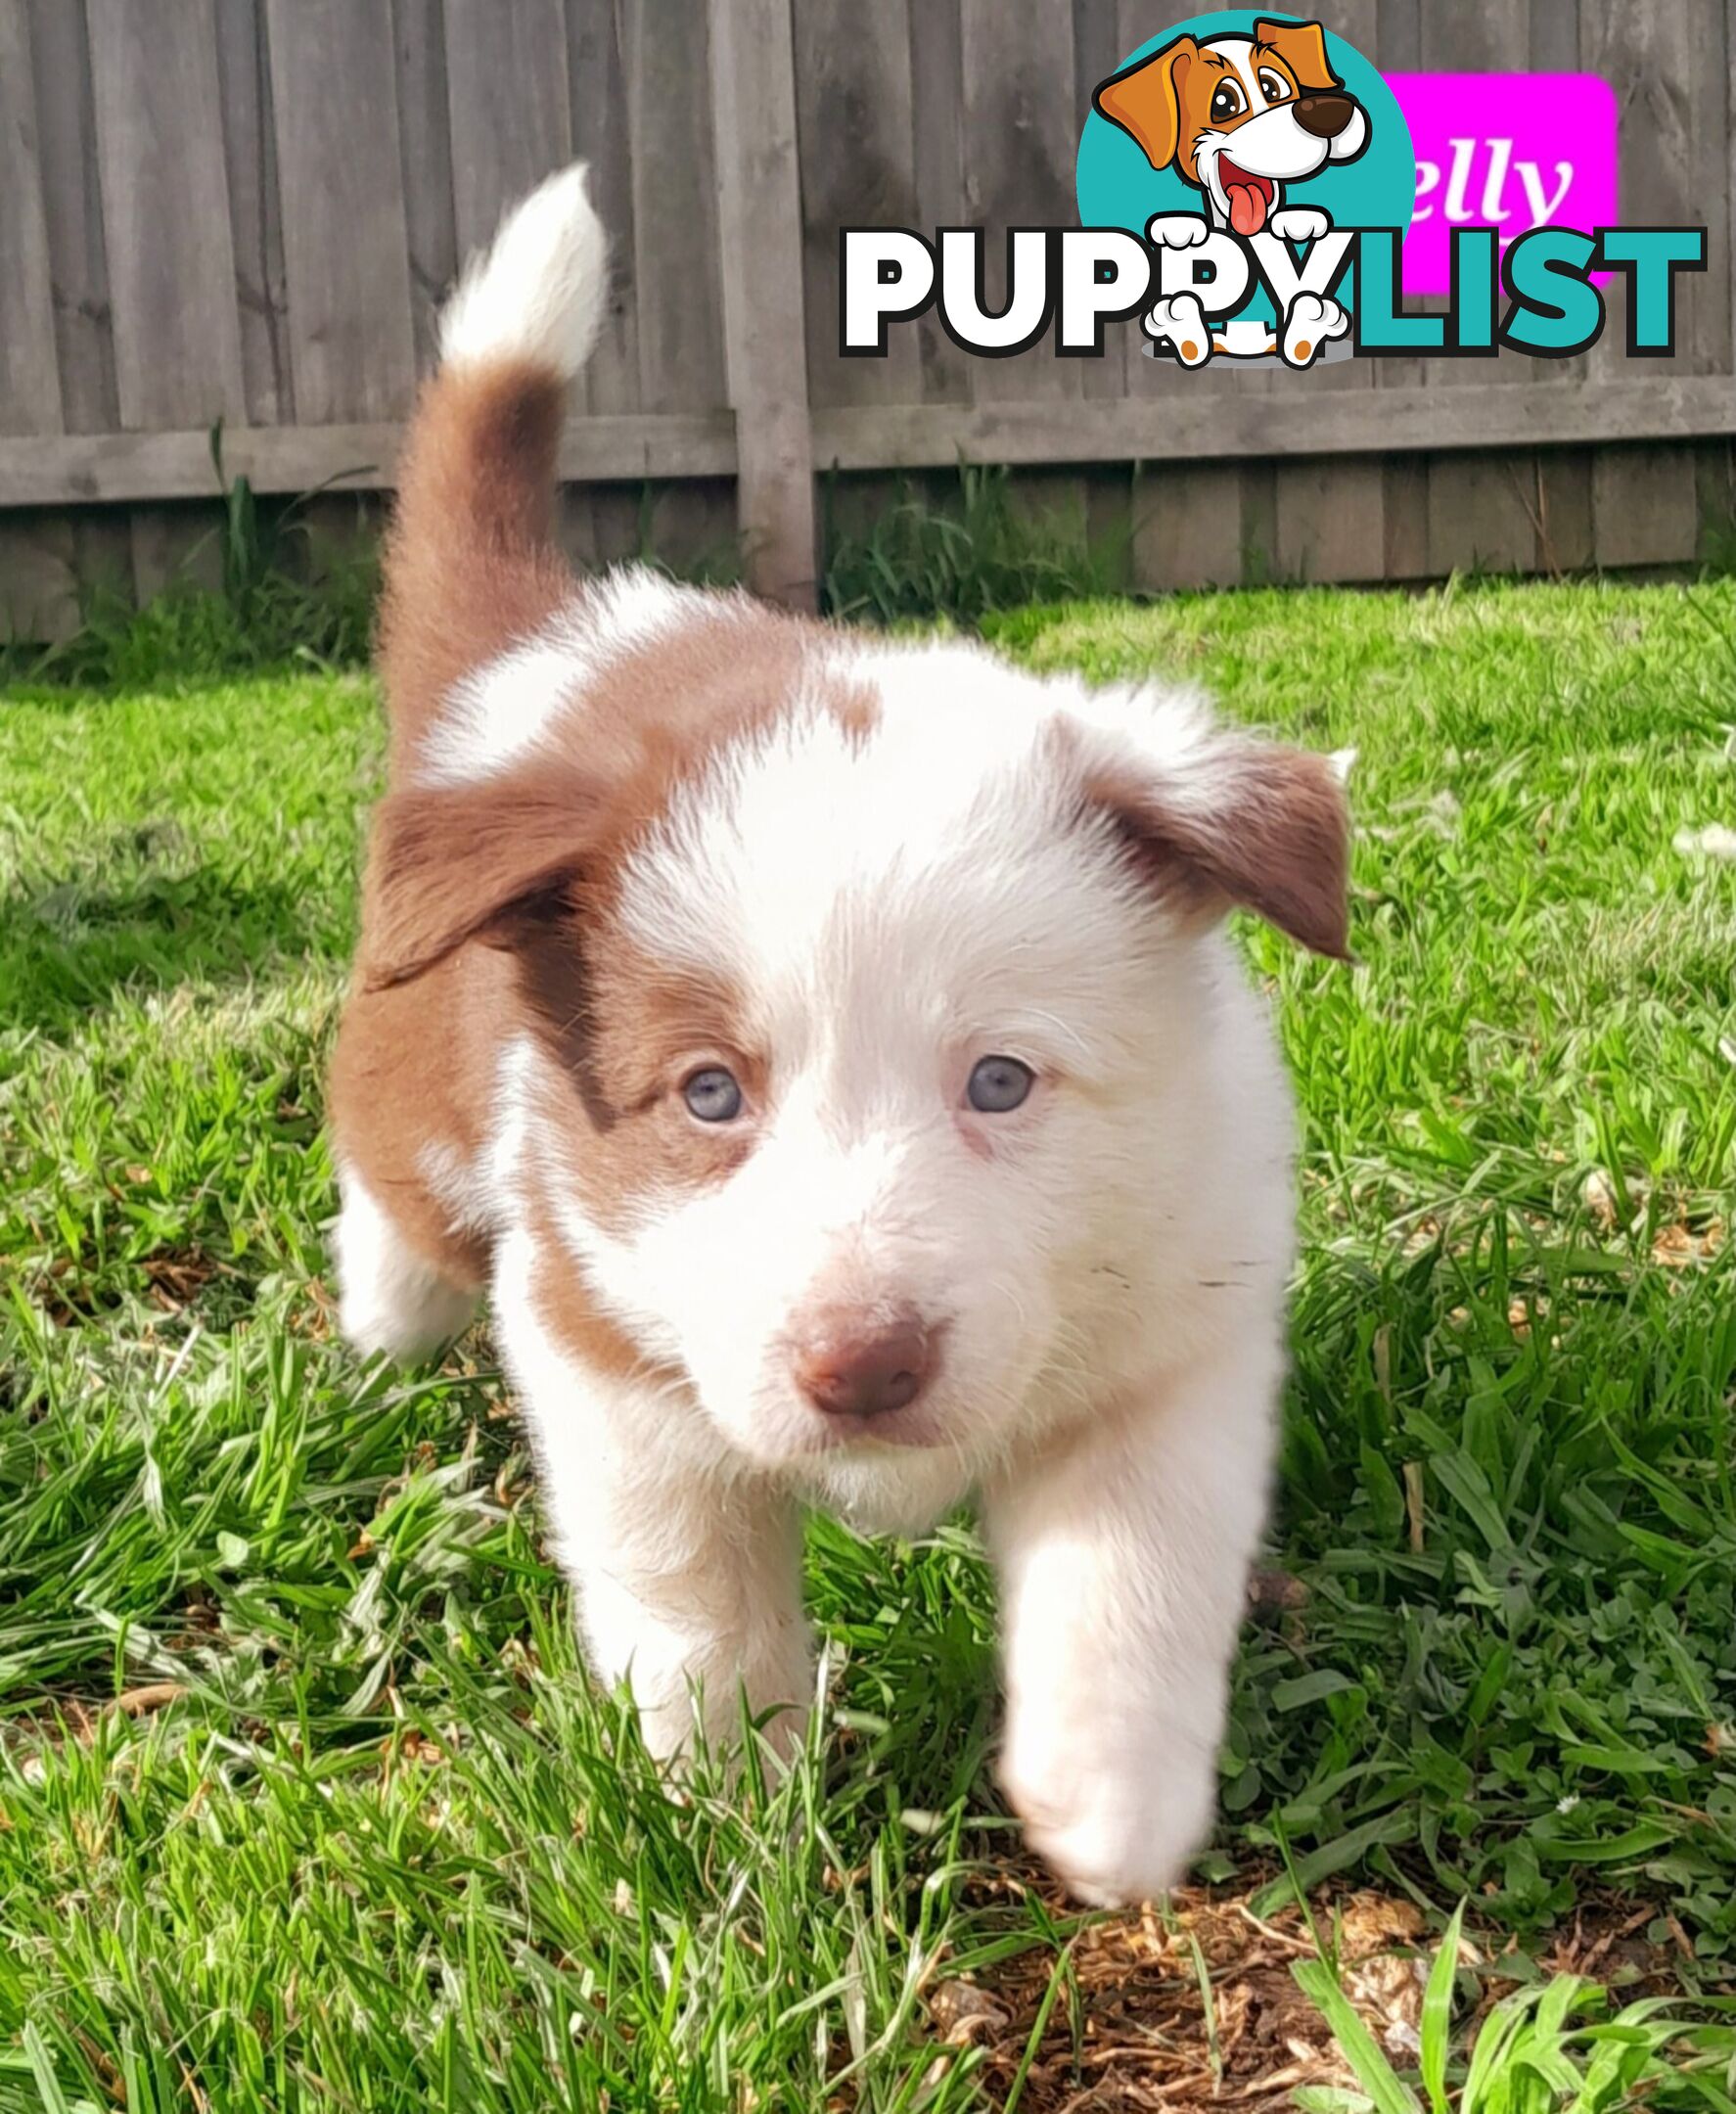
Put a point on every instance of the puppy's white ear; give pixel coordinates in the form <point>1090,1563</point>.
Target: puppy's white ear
<point>1225,820</point>
<point>1145,100</point>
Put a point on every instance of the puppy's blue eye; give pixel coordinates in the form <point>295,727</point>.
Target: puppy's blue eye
<point>998,1086</point>
<point>713,1095</point>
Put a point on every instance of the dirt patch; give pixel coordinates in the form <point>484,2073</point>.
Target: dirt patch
<point>1195,2006</point>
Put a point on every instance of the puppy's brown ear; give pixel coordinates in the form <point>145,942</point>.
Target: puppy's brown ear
<point>1145,100</point>
<point>472,862</point>
<point>1302,48</point>
<point>1248,823</point>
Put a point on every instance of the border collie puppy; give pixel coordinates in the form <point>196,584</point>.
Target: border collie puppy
<point>823,1051</point>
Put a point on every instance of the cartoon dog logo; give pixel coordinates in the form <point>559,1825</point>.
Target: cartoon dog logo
<point>1239,118</point>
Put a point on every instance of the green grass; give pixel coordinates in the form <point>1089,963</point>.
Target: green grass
<point>383,1847</point>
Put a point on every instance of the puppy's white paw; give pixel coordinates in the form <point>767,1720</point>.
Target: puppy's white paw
<point>1115,1832</point>
<point>1181,320</point>
<point>1310,320</point>
<point>1177,231</point>
<point>1300,224</point>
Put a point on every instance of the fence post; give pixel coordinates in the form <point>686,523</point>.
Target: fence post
<point>764,333</point>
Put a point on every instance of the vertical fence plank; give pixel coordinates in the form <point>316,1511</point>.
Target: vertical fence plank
<point>84,347</point>
<point>1483,509</point>
<point>675,268</point>
<point>936,100</point>
<point>858,169</point>
<point>65,142</point>
<point>165,213</point>
<point>506,70</point>
<point>606,522</point>
<point>760,247</point>
<point>37,598</point>
<point>30,374</point>
<point>1195,524</point>
<point>1668,64</point>
<point>1097,51</point>
<point>256,212</point>
<point>1021,144</point>
<point>1404,478</point>
<point>1565,540</point>
<point>158,103</point>
<point>345,244</point>
<point>675,207</point>
<point>1329,518</point>
<point>1020,133</point>
<point>425,142</point>
<point>601,122</point>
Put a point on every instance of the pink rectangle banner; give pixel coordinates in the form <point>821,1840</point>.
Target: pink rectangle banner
<point>1507,151</point>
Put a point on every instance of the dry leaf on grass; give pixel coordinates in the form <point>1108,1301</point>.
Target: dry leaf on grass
<point>1679,1247</point>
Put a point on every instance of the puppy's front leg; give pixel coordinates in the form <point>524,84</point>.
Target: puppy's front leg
<point>1123,1566</point>
<point>687,1572</point>
<point>685,1583</point>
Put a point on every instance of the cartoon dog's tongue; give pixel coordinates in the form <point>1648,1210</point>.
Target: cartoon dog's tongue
<point>1248,207</point>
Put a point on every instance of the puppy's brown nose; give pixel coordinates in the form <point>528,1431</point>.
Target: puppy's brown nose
<point>1324,115</point>
<point>863,1370</point>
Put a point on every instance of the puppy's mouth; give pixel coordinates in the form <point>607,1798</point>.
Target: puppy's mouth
<point>895,1431</point>
<point>1248,194</point>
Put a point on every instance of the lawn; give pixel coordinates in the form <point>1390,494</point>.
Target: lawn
<point>305,1802</point>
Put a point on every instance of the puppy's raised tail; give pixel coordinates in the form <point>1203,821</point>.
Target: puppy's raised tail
<point>470,563</point>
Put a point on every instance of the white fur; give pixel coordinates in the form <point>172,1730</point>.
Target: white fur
<point>388,1298</point>
<point>687,1568</point>
<point>1310,320</point>
<point>1123,1563</point>
<point>538,292</point>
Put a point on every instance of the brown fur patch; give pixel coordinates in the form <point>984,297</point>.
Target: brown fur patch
<point>414,1067</point>
<point>468,563</point>
<point>1299,49</point>
<point>629,1031</point>
<point>573,1317</point>
<point>1146,101</point>
<point>1272,835</point>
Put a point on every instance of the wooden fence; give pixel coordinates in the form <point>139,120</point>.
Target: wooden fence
<point>247,210</point>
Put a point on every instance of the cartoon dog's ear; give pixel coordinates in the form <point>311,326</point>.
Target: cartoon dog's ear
<point>489,862</point>
<point>1233,820</point>
<point>1302,48</point>
<point>1145,100</point>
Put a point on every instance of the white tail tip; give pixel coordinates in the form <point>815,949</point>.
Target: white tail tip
<point>538,292</point>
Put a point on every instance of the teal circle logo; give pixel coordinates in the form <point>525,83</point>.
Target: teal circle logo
<point>1254,124</point>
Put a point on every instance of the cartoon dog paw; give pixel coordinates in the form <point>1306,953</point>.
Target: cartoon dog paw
<point>1300,224</point>
<point>1177,230</point>
<point>1309,322</point>
<point>1182,321</point>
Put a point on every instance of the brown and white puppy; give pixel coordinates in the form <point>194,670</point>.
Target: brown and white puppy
<point>823,1051</point>
<point>1240,116</point>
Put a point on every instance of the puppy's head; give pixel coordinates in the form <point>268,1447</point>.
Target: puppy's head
<point>1239,115</point>
<point>880,1024</point>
